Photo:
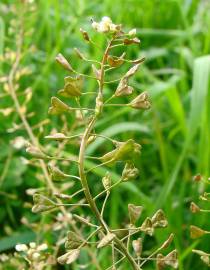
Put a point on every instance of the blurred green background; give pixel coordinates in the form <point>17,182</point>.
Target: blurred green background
<point>174,133</point>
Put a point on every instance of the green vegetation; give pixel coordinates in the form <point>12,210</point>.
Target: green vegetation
<point>174,133</point>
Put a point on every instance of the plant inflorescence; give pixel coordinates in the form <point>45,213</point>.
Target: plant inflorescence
<point>90,233</point>
<point>195,231</point>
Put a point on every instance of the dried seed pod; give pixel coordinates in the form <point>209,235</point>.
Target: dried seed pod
<point>130,172</point>
<point>79,54</point>
<point>194,208</point>
<point>196,232</point>
<point>159,219</point>
<point>57,137</point>
<point>63,62</point>
<point>73,240</point>
<point>106,180</point>
<point>205,257</point>
<point>141,101</point>
<point>197,177</point>
<point>137,246</point>
<point>115,61</point>
<point>123,89</point>
<point>58,106</point>
<point>134,213</point>
<point>69,257</point>
<point>97,72</point>
<point>42,203</point>
<point>72,86</point>
<point>131,71</point>
<point>168,241</point>
<point>138,61</point>
<point>85,35</point>
<point>160,262</point>
<point>56,173</point>
<point>106,240</point>
<point>147,226</point>
<point>35,152</point>
<point>172,259</point>
<point>129,41</point>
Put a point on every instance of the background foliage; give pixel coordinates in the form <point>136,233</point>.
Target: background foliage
<point>174,134</point>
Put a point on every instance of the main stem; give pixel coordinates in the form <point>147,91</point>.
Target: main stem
<point>82,173</point>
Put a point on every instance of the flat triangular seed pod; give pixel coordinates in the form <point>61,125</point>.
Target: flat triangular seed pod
<point>159,219</point>
<point>58,106</point>
<point>69,257</point>
<point>107,239</point>
<point>134,212</point>
<point>42,203</point>
<point>73,240</point>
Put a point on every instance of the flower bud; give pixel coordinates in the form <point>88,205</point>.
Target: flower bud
<point>63,62</point>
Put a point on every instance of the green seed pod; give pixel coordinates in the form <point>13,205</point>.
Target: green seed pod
<point>73,240</point>
<point>58,106</point>
<point>72,87</point>
<point>42,204</point>
<point>125,151</point>
<point>35,152</point>
<point>56,173</point>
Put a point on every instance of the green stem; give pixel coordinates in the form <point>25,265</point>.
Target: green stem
<point>82,173</point>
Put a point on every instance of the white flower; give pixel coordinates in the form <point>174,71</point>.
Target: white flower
<point>32,245</point>
<point>42,247</point>
<point>21,247</point>
<point>132,32</point>
<point>36,255</point>
<point>106,19</point>
<point>19,142</point>
<point>95,25</point>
